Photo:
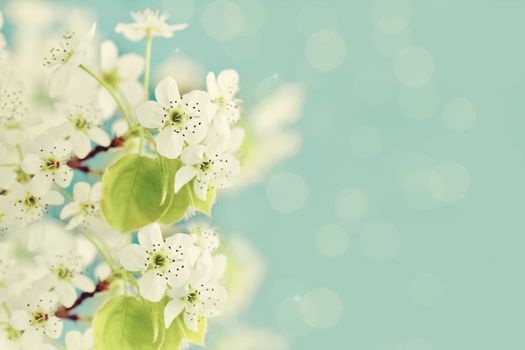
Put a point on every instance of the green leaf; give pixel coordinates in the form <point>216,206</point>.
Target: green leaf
<point>127,323</point>
<point>177,203</point>
<point>200,205</point>
<point>177,332</point>
<point>132,192</point>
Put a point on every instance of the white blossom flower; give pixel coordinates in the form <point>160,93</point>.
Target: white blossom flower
<point>62,59</point>
<point>205,237</point>
<point>122,73</point>
<point>198,301</point>
<point>163,262</point>
<point>82,126</point>
<point>85,207</point>
<point>7,215</point>
<point>50,164</point>
<point>65,274</point>
<point>148,22</point>
<point>7,173</point>
<point>75,340</point>
<point>222,91</point>
<point>178,119</point>
<point>37,318</point>
<point>211,169</point>
<point>8,276</point>
<point>30,200</point>
<point>13,121</point>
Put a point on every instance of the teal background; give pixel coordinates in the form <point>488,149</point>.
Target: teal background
<point>469,241</point>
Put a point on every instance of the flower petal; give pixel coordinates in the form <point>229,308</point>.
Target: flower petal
<point>108,55</point>
<point>83,283</point>
<point>193,154</point>
<point>167,93</point>
<point>53,327</point>
<point>131,66</point>
<point>150,114</point>
<point>178,273</point>
<point>228,82</point>
<point>59,81</point>
<point>172,310</point>
<point>169,143</point>
<point>66,293</point>
<point>150,237</point>
<point>183,176</point>
<point>81,144</point>
<point>133,257</point>
<point>152,286</point>
<point>99,136</point>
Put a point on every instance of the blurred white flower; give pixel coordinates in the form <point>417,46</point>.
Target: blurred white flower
<point>222,91</point>
<point>211,168</point>
<point>269,140</point>
<point>85,207</point>
<point>31,199</point>
<point>37,318</point>
<point>247,338</point>
<point>13,119</point>
<point>121,73</point>
<point>148,22</point>
<point>178,119</point>
<point>203,300</point>
<point>82,126</point>
<point>50,163</point>
<point>75,340</point>
<point>65,274</point>
<point>66,56</point>
<point>163,262</point>
<point>8,275</point>
<point>188,73</point>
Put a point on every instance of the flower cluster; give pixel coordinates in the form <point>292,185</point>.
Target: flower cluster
<point>181,266</point>
<point>98,180</point>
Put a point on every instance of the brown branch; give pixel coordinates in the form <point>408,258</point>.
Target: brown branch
<point>78,163</point>
<point>65,312</point>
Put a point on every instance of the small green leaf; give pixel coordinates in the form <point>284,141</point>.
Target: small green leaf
<point>176,203</point>
<point>200,205</point>
<point>177,332</point>
<point>126,323</point>
<point>132,192</point>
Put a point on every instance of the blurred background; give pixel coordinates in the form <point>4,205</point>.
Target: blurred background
<point>398,225</point>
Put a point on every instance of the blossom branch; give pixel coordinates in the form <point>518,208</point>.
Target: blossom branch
<point>78,163</point>
<point>65,312</point>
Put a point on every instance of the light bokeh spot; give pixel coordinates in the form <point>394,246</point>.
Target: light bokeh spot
<point>425,289</point>
<point>289,317</point>
<point>325,50</point>
<point>254,16</point>
<point>419,103</point>
<point>380,242</point>
<point>332,240</point>
<point>316,16</point>
<point>414,66</point>
<point>416,189</point>
<point>322,308</point>
<point>351,204</point>
<point>222,19</point>
<point>389,45</point>
<point>449,182</point>
<point>391,16</point>
<point>365,142</point>
<point>459,114</point>
<point>286,192</point>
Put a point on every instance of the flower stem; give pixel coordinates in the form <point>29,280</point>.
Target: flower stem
<point>64,192</point>
<point>97,245</point>
<point>148,64</point>
<point>111,92</point>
